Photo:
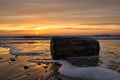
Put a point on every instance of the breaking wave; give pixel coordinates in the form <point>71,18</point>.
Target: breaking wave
<point>16,51</point>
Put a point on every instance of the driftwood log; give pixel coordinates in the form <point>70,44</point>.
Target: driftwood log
<point>64,47</point>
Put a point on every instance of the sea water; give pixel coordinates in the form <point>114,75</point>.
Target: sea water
<point>25,47</point>
<point>109,53</point>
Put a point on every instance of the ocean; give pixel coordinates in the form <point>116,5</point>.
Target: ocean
<point>40,49</point>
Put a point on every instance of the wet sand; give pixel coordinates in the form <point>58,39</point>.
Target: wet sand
<point>20,68</point>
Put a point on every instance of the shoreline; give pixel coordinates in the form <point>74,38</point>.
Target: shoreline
<point>20,68</point>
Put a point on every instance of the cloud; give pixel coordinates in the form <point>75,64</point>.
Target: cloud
<point>60,12</point>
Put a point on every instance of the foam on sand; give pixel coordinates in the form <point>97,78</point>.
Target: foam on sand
<point>92,73</point>
<point>84,73</point>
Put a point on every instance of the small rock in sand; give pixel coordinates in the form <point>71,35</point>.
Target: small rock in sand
<point>29,74</point>
<point>12,59</point>
<point>26,67</point>
<point>46,71</point>
<point>45,67</point>
<point>39,63</point>
<point>47,63</point>
<point>9,62</point>
<point>1,58</point>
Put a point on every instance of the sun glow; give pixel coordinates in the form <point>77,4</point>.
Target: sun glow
<point>39,30</point>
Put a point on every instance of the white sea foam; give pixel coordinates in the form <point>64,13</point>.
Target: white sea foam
<point>4,44</point>
<point>92,73</point>
<point>105,62</point>
<point>87,73</point>
<point>16,51</point>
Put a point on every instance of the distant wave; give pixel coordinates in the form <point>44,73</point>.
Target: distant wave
<point>4,44</point>
<point>19,42</point>
<point>28,53</point>
<point>16,51</point>
<point>26,38</point>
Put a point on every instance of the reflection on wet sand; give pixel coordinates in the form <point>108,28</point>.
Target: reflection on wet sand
<point>22,69</point>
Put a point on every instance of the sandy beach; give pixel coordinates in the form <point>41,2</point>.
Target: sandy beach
<point>30,63</point>
<point>20,68</point>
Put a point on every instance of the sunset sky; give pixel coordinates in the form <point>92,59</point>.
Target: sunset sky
<point>59,17</point>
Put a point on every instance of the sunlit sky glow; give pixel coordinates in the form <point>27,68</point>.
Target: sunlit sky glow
<point>59,17</point>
